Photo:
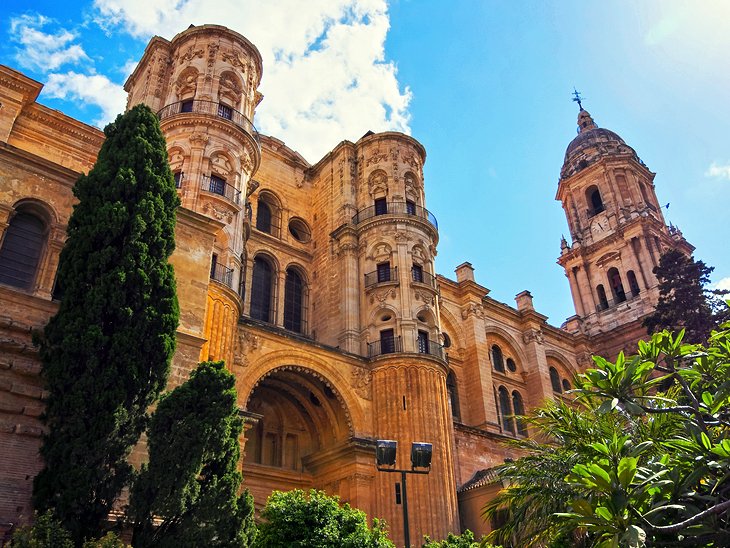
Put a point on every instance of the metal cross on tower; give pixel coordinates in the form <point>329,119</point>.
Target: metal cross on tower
<point>577,98</point>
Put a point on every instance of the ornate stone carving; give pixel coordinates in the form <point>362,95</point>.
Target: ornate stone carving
<point>246,161</point>
<point>246,343</point>
<point>533,335</point>
<point>362,383</point>
<point>425,297</point>
<point>198,138</point>
<point>410,159</point>
<point>401,236</point>
<point>221,164</point>
<point>234,59</point>
<point>191,53</point>
<point>584,359</point>
<point>472,309</point>
<point>376,157</point>
<point>230,88</point>
<point>382,296</point>
<point>221,214</point>
<point>378,183</point>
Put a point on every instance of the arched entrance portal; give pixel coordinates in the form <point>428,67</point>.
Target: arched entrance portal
<point>299,435</point>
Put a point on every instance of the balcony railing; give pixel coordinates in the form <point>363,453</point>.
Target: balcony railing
<point>381,276</point>
<point>423,278</point>
<point>432,348</point>
<point>395,208</point>
<point>622,298</point>
<point>215,185</point>
<point>197,106</point>
<point>385,346</point>
<point>222,274</point>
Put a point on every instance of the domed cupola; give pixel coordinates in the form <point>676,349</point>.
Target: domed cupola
<point>591,144</point>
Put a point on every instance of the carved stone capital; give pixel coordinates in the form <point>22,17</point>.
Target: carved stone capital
<point>472,309</point>
<point>533,335</point>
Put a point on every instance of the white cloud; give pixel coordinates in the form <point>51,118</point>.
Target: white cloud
<point>718,171</point>
<point>325,75</point>
<point>90,89</point>
<point>723,284</point>
<point>42,50</point>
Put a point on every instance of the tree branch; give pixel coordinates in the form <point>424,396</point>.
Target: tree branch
<point>717,509</point>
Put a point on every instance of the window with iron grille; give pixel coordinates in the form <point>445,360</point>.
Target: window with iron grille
<point>261,290</point>
<point>497,358</point>
<point>417,273</point>
<point>293,302</point>
<point>186,106</point>
<point>381,206</point>
<point>217,185</point>
<point>519,409</point>
<point>224,111</point>
<point>21,250</point>
<point>178,176</point>
<point>384,272</point>
<point>506,410</point>
<point>387,341</point>
<point>213,265</point>
<point>410,207</point>
<point>263,217</point>
<point>423,342</point>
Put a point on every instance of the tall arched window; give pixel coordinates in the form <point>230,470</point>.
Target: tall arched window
<point>617,287</point>
<point>633,283</point>
<point>519,409</point>
<point>21,250</point>
<point>497,358</point>
<point>555,381</point>
<point>263,217</point>
<point>595,203</point>
<point>453,394</point>
<point>294,301</point>
<point>602,300</point>
<point>262,290</point>
<point>506,410</point>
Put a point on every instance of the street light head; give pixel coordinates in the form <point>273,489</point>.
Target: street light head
<point>421,454</point>
<point>385,452</point>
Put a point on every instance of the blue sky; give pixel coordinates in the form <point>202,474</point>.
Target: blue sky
<point>484,85</point>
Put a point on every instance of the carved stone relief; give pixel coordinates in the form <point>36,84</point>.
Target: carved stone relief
<point>472,309</point>
<point>246,343</point>
<point>362,383</point>
<point>222,214</point>
<point>533,335</point>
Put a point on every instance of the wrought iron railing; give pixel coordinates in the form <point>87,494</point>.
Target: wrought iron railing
<point>381,276</point>
<point>421,277</point>
<point>197,106</point>
<point>387,345</point>
<point>215,185</point>
<point>222,274</point>
<point>610,303</point>
<point>432,348</point>
<point>395,208</point>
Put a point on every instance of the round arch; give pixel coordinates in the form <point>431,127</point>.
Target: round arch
<point>509,341</point>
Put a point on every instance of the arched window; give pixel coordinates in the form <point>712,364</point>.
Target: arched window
<point>617,287</point>
<point>633,284</point>
<point>21,250</point>
<point>602,300</point>
<point>506,410</point>
<point>263,217</point>
<point>566,385</point>
<point>555,381</point>
<point>293,301</point>
<point>519,409</point>
<point>497,358</point>
<point>262,290</point>
<point>595,203</point>
<point>453,394</point>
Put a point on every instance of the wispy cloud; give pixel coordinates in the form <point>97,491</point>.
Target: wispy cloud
<point>44,51</point>
<point>723,284</point>
<point>94,89</point>
<point>718,171</point>
<point>325,73</point>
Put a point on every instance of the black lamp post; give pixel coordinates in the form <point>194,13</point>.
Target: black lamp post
<point>385,451</point>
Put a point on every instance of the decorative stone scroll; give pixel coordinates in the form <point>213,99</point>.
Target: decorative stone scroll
<point>533,335</point>
<point>472,309</point>
<point>362,382</point>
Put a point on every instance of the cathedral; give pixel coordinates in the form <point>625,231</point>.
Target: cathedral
<point>315,282</point>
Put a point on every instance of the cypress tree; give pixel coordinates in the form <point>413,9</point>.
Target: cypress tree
<point>188,493</point>
<point>684,303</point>
<point>106,353</point>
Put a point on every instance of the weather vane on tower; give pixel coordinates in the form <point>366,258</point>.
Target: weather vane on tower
<point>577,98</point>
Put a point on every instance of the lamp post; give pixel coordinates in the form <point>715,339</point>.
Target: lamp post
<point>385,452</point>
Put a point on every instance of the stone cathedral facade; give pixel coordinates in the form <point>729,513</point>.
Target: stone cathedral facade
<point>316,284</point>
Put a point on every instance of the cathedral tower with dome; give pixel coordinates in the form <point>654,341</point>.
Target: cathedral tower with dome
<point>315,282</point>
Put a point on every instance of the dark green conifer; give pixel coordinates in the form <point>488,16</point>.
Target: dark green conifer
<point>684,303</point>
<point>106,353</point>
<point>188,494</point>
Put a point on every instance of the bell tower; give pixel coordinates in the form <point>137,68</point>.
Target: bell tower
<point>617,234</point>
